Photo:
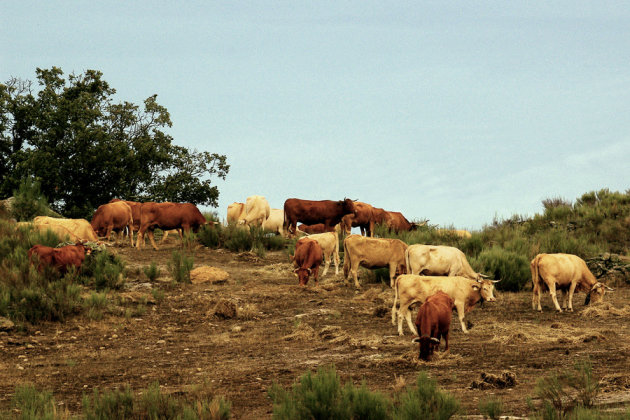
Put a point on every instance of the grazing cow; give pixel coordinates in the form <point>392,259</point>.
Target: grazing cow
<point>80,228</point>
<point>185,216</point>
<point>312,212</point>
<point>396,222</point>
<point>564,272</point>
<point>275,221</point>
<point>433,322</point>
<point>60,258</point>
<point>373,253</point>
<point>135,211</point>
<point>411,288</point>
<point>307,259</point>
<point>256,210</point>
<point>363,218</point>
<point>316,228</point>
<point>439,260</point>
<point>62,232</point>
<point>236,213</point>
<point>329,242</point>
<point>113,216</point>
<point>460,233</point>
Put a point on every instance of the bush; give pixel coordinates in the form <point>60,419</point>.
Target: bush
<point>180,266</point>
<point>210,237</point>
<point>152,271</point>
<point>108,405</point>
<point>103,270</point>
<point>512,269</point>
<point>28,201</point>
<point>425,401</point>
<point>491,407</point>
<point>34,404</point>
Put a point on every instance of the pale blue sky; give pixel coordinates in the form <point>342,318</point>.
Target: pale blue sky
<point>453,111</point>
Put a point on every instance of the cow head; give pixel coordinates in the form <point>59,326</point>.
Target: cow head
<point>428,345</point>
<point>486,289</point>
<point>303,274</point>
<point>347,206</point>
<point>597,292</point>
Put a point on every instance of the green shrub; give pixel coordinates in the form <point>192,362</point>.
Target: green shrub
<point>29,201</point>
<point>512,269</point>
<point>152,271</point>
<point>425,401</point>
<point>104,270</point>
<point>210,237</point>
<point>95,305</point>
<point>491,407</point>
<point>189,239</point>
<point>179,266</point>
<point>34,404</point>
<point>115,404</point>
<point>361,403</point>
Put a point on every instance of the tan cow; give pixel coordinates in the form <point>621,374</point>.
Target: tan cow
<point>411,288</point>
<point>257,210</point>
<point>236,213</point>
<point>275,221</point>
<point>373,253</point>
<point>329,242</point>
<point>80,228</point>
<point>439,260</point>
<point>460,233</point>
<point>564,272</point>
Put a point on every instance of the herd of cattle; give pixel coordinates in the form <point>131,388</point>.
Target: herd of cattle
<point>437,277</point>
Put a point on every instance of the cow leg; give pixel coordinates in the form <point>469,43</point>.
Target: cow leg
<point>554,296</point>
<point>405,313</point>
<point>460,315</point>
<point>130,230</point>
<point>571,291</point>
<point>337,262</point>
<point>392,273</point>
<point>152,239</point>
<point>316,275</point>
<point>108,234</point>
<point>535,297</point>
<point>355,270</point>
<point>446,340</point>
<point>326,264</point>
<point>140,239</point>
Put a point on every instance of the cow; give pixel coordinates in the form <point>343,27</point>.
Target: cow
<point>59,258</point>
<point>564,272</point>
<point>411,288</point>
<point>311,212</point>
<point>256,210</point>
<point>432,323</point>
<point>62,232</point>
<point>236,213</point>
<point>185,216</point>
<point>459,233</point>
<point>113,216</point>
<point>80,228</point>
<point>135,211</point>
<point>362,218</point>
<point>316,228</point>
<point>439,260</point>
<point>275,221</point>
<point>307,259</point>
<point>396,222</point>
<point>373,253</point>
<point>329,242</point>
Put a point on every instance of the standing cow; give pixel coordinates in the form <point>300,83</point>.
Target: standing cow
<point>433,323</point>
<point>329,242</point>
<point>312,212</point>
<point>373,253</point>
<point>236,213</point>
<point>564,272</point>
<point>307,259</point>
<point>60,258</point>
<point>439,260</point>
<point>114,216</point>
<point>166,216</point>
<point>275,222</point>
<point>256,210</point>
<point>362,218</point>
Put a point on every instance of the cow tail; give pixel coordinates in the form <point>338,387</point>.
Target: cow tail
<point>395,301</point>
<point>346,260</point>
<point>407,265</point>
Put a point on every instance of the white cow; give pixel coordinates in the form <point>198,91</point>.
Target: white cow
<point>236,213</point>
<point>439,260</point>
<point>257,210</point>
<point>275,221</point>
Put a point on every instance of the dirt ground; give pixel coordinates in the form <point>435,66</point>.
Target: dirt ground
<point>282,330</point>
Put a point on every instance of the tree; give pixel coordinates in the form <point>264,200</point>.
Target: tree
<point>84,148</point>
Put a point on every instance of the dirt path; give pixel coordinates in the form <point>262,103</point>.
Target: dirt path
<point>283,330</point>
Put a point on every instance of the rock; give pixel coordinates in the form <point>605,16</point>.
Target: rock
<point>6,324</point>
<point>207,274</point>
<point>490,381</point>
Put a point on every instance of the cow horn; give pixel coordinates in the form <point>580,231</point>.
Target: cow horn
<point>296,270</point>
<point>435,340</point>
<point>416,340</point>
<point>309,271</point>
<point>495,281</point>
<point>610,289</point>
<point>483,275</point>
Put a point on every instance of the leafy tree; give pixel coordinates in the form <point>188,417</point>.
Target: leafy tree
<point>84,148</point>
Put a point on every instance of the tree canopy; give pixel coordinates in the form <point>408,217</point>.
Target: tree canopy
<point>84,148</point>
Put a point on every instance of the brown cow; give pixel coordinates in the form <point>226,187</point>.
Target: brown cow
<point>396,222</point>
<point>317,228</point>
<point>135,211</point>
<point>113,216</point>
<point>166,216</point>
<point>363,218</point>
<point>410,288</point>
<point>307,259</point>
<point>59,258</point>
<point>564,272</point>
<point>312,212</point>
<point>433,322</point>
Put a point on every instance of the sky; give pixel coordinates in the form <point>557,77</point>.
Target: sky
<point>456,112</point>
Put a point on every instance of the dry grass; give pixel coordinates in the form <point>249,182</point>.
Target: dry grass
<point>604,310</point>
<point>301,332</point>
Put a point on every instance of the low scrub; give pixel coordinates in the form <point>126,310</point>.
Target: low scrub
<point>321,396</point>
<point>179,266</point>
<point>238,238</point>
<point>509,267</point>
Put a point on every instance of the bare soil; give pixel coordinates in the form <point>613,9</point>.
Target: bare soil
<point>282,330</point>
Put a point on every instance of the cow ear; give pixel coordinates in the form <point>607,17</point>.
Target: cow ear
<point>475,287</point>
